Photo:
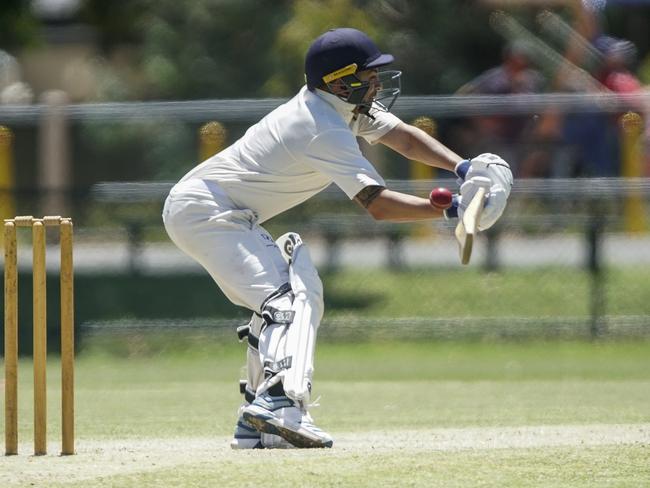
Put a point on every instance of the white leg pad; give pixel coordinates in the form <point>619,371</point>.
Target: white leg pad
<point>287,343</point>
<point>301,336</point>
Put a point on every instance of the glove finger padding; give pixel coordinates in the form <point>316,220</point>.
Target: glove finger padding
<point>494,167</point>
<point>494,207</point>
<point>468,190</point>
<point>495,203</point>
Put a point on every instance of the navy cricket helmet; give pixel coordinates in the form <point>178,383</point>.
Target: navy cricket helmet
<point>339,54</point>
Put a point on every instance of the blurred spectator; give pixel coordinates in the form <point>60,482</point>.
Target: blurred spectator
<point>618,55</point>
<point>505,134</point>
<point>594,138</point>
<point>514,75</point>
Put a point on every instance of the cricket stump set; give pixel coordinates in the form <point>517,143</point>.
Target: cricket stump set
<point>38,227</point>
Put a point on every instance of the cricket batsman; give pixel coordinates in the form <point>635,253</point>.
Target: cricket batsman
<point>216,211</point>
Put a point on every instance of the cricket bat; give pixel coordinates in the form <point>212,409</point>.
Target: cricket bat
<point>467,227</point>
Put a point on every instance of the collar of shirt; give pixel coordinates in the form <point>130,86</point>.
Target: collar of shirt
<point>345,109</point>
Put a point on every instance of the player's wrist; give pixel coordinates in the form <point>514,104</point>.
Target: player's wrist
<point>462,168</point>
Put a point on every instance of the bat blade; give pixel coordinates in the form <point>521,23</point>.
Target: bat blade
<point>467,227</point>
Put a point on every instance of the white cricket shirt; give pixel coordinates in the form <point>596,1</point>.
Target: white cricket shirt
<point>296,151</point>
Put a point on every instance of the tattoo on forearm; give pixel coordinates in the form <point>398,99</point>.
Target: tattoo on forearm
<point>368,194</point>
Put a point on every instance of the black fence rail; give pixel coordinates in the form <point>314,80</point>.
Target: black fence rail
<point>590,206</point>
<point>247,110</point>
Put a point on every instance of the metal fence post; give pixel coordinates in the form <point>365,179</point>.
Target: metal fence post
<point>134,231</point>
<point>492,249</point>
<point>594,265</point>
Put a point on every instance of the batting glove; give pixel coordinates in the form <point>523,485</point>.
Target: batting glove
<point>486,165</point>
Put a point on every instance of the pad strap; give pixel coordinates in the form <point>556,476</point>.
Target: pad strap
<point>249,395</point>
<point>243,331</point>
<point>274,315</point>
<point>246,331</point>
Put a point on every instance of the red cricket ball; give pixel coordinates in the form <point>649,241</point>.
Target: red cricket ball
<point>440,198</point>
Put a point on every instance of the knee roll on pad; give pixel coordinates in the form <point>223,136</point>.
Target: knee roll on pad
<point>287,243</point>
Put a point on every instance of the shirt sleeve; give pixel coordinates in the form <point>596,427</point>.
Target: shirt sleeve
<point>372,129</point>
<point>336,153</point>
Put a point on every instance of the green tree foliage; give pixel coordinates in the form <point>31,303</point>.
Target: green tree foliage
<point>309,19</point>
<point>208,48</point>
<point>190,50</point>
<point>116,22</point>
<point>17,25</point>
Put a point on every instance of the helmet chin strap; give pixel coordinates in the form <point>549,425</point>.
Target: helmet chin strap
<point>363,109</point>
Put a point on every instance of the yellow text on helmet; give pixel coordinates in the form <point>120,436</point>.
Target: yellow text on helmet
<point>350,69</point>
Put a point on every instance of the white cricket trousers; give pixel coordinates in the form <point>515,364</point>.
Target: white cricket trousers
<point>240,255</point>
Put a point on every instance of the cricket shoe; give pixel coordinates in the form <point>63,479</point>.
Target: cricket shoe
<point>279,416</point>
<point>246,436</point>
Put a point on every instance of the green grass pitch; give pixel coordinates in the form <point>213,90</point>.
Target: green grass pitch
<point>402,414</point>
